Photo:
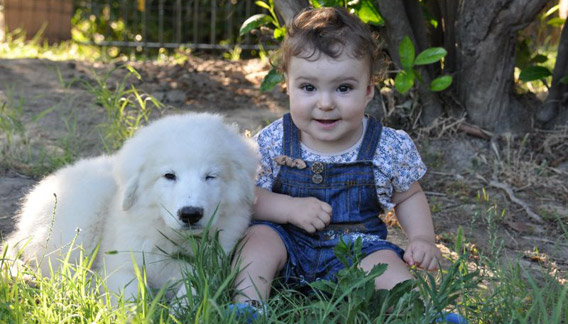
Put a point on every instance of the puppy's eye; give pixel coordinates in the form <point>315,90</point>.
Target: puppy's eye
<point>210,177</point>
<point>170,176</point>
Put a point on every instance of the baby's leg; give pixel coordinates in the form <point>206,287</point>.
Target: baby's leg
<point>262,255</point>
<point>397,270</point>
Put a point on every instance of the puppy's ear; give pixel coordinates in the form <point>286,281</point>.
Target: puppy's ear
<point>129,195</point>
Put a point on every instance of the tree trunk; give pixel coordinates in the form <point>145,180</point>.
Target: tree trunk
<point>554,110</point>
<point>400,20</point>
<point>445,12</point>
<point>486,39</point>
<point>287,9</point>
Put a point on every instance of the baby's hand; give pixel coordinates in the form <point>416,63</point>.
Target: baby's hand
<point>422,253</point>
<point>309,214</point>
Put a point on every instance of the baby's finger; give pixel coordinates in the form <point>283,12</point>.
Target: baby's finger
<point>407,257</point>
<point>418,256</point>
<point>325,218</point>
<point>309,228</point>
<point>425,262</point>
<point>433,264</point>
<point>318,224</point>
<point>326,207</point>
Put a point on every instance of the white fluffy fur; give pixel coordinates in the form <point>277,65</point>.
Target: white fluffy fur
<point>125,202</point>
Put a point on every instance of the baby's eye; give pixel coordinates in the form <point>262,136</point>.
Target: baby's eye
<point>170,176</point>
<point>210,177</point>
<point>308,87</point>
<point>344,88</point>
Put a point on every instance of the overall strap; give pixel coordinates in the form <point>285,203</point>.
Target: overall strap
<point>370,139</point>
<point>291,138</point>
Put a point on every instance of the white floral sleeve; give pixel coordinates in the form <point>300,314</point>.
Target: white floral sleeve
<point>397,165</point>
<point>269,142</point>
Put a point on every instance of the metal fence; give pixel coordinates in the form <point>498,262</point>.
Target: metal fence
<point>201,24</point>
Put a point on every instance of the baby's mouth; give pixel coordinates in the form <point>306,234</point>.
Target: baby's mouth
<point>326,121</point>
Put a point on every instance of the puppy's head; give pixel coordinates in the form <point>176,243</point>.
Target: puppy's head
<point>192,168</point>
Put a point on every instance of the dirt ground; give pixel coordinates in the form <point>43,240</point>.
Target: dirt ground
<point>527,177</point>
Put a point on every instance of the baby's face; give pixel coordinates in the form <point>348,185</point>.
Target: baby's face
<point>328,99</point>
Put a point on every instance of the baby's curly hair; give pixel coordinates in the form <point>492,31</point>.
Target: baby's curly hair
<point>328,31</point>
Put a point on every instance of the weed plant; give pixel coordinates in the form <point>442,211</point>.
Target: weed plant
<point>126,108</point>
<point>17,151</point>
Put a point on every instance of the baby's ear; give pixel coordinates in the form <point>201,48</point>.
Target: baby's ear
<point>370,92</point>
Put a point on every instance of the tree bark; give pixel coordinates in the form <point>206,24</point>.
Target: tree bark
<point>397,25</point>
<point>486,38</point>
<point>553,111</point>
<point>287,9</point>
<point>449,10</point>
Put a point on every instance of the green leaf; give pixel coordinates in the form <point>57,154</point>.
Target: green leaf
<point>441,83</point>
<point>524,54</point>
<point>406,52</point>
<point>368,13</point>
<point>279,33</point>
<point>315,4</point>
<point>254,22</point>
<point>262,5</point>
<point>404,81</point>
<point>533,73</point>
<point>43,113</point>
<point>133,71</point>
<point>539,58</point>
<point>271,80</point>
<point>556,22</point>
<point>326,3</point>
<point>418,76</point>
<point>430,55</point>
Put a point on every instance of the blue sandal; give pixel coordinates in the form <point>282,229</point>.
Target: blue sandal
<point>452,318</point>
<point>247,311</point>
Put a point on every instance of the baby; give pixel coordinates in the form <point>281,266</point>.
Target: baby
<point>327,170</point>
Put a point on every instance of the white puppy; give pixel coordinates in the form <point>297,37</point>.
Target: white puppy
<point>166,182</point>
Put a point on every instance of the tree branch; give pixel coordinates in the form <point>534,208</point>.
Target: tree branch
<point>516,200</point>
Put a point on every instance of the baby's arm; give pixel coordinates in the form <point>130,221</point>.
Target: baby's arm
<point>414,216</point>
<point>309,214</point>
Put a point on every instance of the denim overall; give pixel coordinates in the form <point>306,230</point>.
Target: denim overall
<point>350,190</point>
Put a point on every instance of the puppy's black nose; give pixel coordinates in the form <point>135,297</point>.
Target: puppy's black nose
<point>190,215</point>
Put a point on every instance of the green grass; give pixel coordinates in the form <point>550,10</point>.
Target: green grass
<point>126,108</point>
<point>17,150</point>
<point>484,288</point>
<point>15,45</point>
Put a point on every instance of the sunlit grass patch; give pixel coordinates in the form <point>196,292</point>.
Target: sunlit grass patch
<point>126,108</point>
<point>16,45</point>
